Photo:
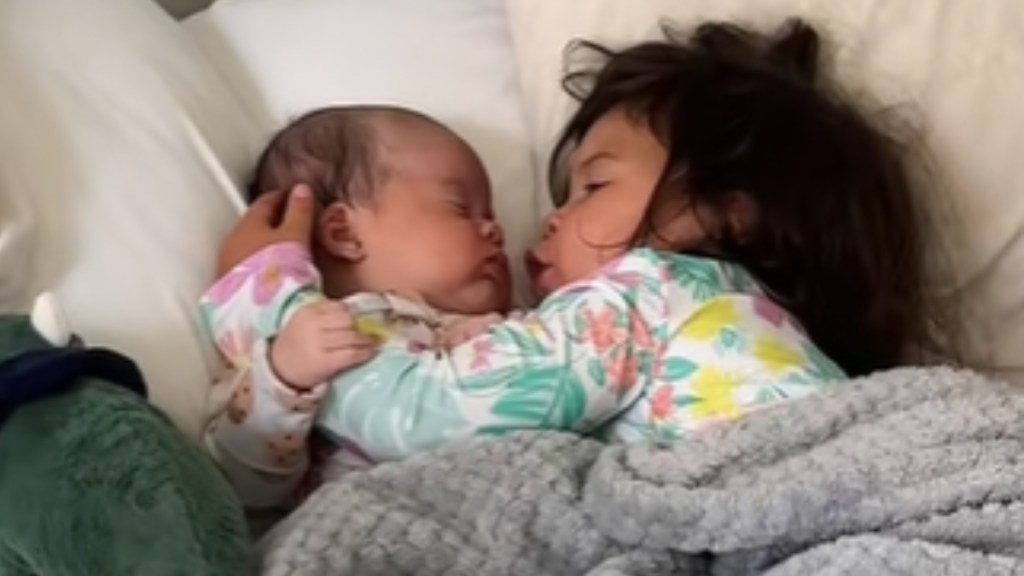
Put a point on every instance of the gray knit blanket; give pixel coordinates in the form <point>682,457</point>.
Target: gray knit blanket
<point>916,471</point>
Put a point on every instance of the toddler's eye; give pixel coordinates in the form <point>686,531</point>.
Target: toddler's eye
<point>592,187</point>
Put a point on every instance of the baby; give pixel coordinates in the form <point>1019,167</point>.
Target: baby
<point>405,237</point>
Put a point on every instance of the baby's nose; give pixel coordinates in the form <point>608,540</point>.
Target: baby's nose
<point>493,233</point>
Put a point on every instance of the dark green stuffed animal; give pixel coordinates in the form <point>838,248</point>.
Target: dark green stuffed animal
<point>93,480</point>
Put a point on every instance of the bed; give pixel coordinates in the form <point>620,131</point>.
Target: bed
<point>126,134</point>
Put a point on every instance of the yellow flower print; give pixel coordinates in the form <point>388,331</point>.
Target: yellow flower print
<point>707,322</point>
<point>716,389</point>
<point>373,327</point>
<point>536,330</point>
<point>776,356</point>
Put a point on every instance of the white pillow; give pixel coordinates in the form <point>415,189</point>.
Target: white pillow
<point>452,60</point>
<point>123,144</point>
<point>960,62</point>
<point>120,151</point>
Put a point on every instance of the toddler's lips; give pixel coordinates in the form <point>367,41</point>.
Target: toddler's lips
<point>538,271</point>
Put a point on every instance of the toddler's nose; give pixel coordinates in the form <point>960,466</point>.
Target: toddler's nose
<point>552,223</point>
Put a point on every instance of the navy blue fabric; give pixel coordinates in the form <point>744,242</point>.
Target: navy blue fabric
<point>41,373</point>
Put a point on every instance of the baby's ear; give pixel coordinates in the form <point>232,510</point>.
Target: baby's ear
<point>336,234</point>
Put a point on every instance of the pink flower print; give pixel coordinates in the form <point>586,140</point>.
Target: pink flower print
<point>665,275</point>
<point>602,330</point>
<point>662,406</point>
<point>236,346</point>
<point>271,266</point>
<point>628,279</point>
<point>622,370</point>
<point>416,347</point>
<point>242,400</point>
<point>640,333</point>
<point>769,311</point>
<point>268,283</point>
<point>226,287</point>
<point>286,449</point>
<point>483,348</point>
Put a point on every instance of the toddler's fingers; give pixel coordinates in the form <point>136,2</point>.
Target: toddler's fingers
<point>297,221</point>
<point>266,209</point>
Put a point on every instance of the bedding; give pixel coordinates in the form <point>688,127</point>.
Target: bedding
<point>950,68</point>
<point>121,156</point>
<point>125,137</point>
<point>914,471</point>
<point>452,60</point>
<point>94,480</point>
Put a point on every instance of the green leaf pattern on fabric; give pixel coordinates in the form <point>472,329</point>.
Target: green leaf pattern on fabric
<point>597,352</point>
<point>425,414</point>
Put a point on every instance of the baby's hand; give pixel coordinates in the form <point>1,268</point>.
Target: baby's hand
<point>317,343</point>
<point>464,329</point>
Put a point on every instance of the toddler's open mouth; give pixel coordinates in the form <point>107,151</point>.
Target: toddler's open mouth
<point>538,270</point>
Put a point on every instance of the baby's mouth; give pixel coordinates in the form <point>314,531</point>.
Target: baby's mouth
<point>497,265</point>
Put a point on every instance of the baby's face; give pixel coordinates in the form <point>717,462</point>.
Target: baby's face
<point>431,231</point>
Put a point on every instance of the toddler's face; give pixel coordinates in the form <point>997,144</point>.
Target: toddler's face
<point>431,231</point>
<point>613,176</point>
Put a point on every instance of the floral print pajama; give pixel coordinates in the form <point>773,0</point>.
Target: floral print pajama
<point>653,347</point>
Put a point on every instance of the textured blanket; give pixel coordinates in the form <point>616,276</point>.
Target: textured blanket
<point>917,471</point>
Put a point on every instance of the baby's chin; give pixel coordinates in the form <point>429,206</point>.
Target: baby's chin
<point>474,300</point>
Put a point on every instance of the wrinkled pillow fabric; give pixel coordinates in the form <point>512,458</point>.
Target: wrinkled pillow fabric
<point>121,151</point>
<point>452,60</point>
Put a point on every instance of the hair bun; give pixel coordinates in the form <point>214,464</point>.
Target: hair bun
<point>795,49</point>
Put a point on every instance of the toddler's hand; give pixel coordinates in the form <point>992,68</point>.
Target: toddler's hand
<point>317,343</point>
<point>465,329</point>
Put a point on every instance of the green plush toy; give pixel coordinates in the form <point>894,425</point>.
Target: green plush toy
<point>95,481</point>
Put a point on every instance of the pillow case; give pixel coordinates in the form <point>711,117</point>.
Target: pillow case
<point>121,150</point>
<point>957,63</point>
<point>452,60</point>
<point>125,137</point>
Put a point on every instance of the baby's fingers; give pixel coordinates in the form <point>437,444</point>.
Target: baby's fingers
<point>335,340</point>
<point>335,316</point>
<point>343,358</point>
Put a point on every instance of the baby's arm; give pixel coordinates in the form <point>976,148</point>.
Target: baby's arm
<point>260,441</point>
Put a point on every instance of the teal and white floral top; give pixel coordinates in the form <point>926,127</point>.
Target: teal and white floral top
<point>654,346</point>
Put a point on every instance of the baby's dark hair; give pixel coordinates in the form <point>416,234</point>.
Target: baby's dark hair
<point>336,151</point>
<point>837,240</point>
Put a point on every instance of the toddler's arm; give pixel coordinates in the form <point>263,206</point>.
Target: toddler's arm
<point>571,365</point>
<point>457,331</point>
<point>261,439</point>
